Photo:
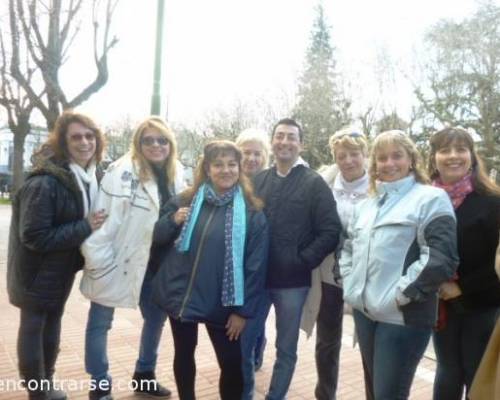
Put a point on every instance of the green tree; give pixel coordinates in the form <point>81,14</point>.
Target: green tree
<point>322,107</point>
<point>462,77</point>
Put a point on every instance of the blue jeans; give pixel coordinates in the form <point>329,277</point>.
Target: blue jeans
<point>253,328</point>
<point>288,304</point>
<point>154,320</point>
<point>391,353</point>
<point>459,348</point>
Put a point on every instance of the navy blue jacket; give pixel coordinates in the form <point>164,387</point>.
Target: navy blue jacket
<point>188,285</point>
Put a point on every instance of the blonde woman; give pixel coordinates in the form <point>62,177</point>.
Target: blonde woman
<point>119,260</point>
<point>348,180</point>
<point>401,247</point>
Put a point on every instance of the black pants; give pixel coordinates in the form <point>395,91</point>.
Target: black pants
<point>328,341</point>
<point>37,347</point>
<point>228,354</point>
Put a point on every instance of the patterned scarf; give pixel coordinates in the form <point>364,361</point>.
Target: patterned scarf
<point>234,238</point>
<point>458,190</point>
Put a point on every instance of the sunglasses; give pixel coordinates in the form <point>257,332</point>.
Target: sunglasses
<point>78,137</point>
<point>150,141</point>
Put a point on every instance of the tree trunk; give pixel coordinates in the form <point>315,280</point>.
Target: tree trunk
<point>20,133</point>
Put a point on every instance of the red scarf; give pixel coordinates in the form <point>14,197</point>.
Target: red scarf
<point>457,191</point>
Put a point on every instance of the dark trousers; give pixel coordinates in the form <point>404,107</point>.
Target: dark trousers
<point>328,341</point>
<point>459,348</point>
<point>37,346</point>
<point>228,353</point>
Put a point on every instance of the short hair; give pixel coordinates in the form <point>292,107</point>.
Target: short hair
<point>291,122</point>
<point>350,138</point>
<point>56,145</point>
<point>159,125</point>
<point>453,135</point>
<point>252,135</point>
<point>397,138</point>
<point>211,151</point>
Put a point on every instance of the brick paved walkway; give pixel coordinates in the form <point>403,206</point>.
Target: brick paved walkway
<point>123,350</point>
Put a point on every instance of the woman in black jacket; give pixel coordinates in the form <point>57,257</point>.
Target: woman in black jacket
<point>214,273</point>
<point>471,302</point>
<point>50,220</point>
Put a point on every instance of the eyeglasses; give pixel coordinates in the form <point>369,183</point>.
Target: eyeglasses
<point>150,141</point>
<point>78,137</point>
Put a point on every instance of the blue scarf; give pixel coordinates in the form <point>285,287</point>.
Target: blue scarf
<point>234,238</point>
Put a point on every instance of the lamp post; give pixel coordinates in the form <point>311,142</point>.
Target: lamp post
<point>156,98</point>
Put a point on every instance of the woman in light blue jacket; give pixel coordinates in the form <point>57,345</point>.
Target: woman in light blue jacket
<point>401,246</point>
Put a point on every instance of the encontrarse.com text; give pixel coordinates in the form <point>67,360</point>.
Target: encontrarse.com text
<point>70,385</point>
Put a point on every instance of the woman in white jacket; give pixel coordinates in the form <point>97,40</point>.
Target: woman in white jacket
<point>117,272</point>
<point>401,246</point>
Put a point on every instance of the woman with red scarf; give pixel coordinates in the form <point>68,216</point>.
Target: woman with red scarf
<point>470,303</point>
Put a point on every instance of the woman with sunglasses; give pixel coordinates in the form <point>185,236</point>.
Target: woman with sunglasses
<point>214,271</point>
<point>470,303</point>
<point>348,180</point>
<point>119,260</point>
<point>51,217</point>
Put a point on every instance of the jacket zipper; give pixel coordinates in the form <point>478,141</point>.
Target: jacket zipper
<point>196,262</point>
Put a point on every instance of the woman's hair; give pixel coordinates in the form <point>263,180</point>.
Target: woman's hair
<point>396,138</point>
<point>158,125</point>
<point>348,138</point>
<point>211,151</point>
<point>252,135</point>
<point>56,145</point>
<point>450,136</point>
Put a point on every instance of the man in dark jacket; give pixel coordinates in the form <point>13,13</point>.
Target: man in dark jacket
<point>304,227</point>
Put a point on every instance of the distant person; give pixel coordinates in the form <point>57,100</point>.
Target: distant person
<point>51,217</point>
<point>401,247</point>
<point>254,146</point>
<point>304,228</point>
<point>471,300</point>
<point>348,180</point>
<point>214,271</point>
<point>120,262</point>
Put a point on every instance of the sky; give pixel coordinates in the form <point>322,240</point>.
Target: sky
<point>220,51</point>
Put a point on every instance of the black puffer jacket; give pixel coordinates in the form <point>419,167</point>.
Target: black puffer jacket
<point>46,231</point>
<point>304,226</point>
<point>188,285</point>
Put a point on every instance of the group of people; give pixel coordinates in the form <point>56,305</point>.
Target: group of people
<point>410,249</point>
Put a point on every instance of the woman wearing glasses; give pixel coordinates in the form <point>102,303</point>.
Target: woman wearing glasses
<point>401,247</point>
<point>214,271</point>
<point>117,272</point>
<point>51,217</point>
<point>348,180</point>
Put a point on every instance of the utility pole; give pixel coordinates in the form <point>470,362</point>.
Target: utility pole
<point>156,98</point>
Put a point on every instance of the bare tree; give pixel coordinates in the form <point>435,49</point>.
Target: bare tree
<point>40,37</point>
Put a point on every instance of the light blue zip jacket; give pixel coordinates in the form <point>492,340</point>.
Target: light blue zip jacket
<point>401,246</point>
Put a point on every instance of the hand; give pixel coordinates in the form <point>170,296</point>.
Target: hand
<point>234,326</point>
<point>96,219</point>
<point>449,290</point>
<point>181,215</point>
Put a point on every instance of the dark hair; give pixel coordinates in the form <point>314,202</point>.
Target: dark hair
<point>451,135</point>
<point>56,145</point>
<point>211,151</point>
<point>291,122</point>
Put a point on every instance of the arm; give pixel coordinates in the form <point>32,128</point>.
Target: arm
<point>166,229</point>
<point>438,257</point>
<point>38,232</point>
<point>345,256</point>
<point>255,265</point>
<point>325,224</point>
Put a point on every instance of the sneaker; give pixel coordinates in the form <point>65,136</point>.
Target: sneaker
<point>99,394</point>
<point>54,394</point>
<point>145,384</point>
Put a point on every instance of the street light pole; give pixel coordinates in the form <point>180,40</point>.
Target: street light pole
<point>156,98</point>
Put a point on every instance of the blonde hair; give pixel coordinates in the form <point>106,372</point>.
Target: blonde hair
<point>158,125</point>
<point>350,139</point>
<point>252,135</point>
<point>211,151</point>
<point>396,138</point>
